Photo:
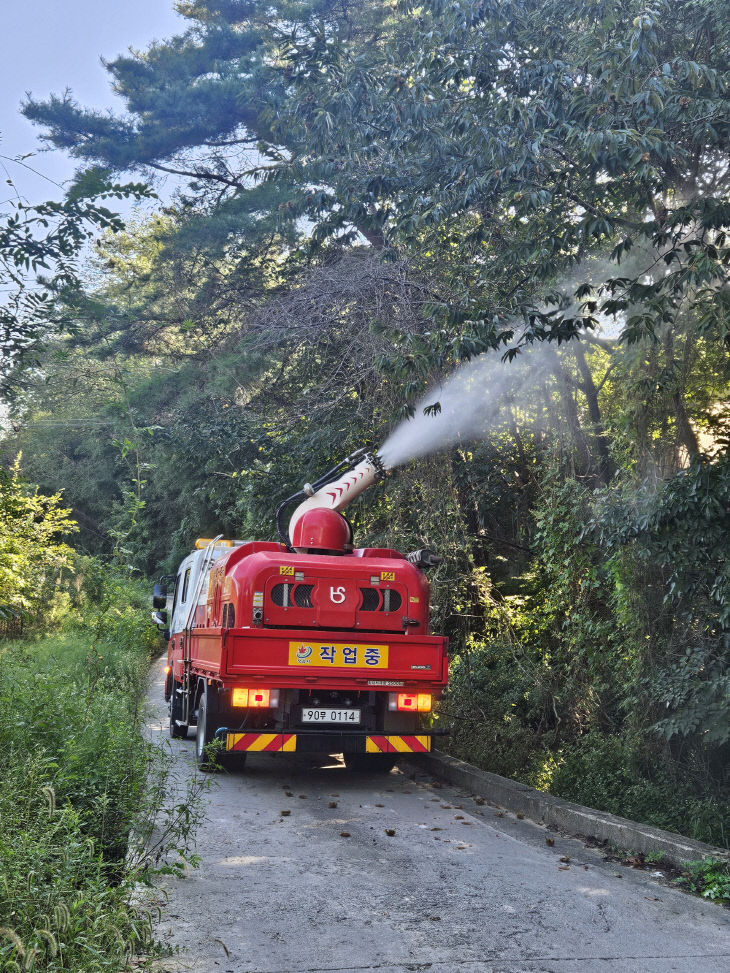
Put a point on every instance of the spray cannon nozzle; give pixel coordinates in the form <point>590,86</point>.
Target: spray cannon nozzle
<point>377,463</point>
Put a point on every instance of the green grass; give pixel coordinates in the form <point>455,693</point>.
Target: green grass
<point>709,878</point>
<point>77,779</point>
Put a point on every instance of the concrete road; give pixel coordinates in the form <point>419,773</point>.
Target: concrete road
<point>455,887</point>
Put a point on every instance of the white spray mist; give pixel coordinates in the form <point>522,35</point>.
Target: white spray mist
<point>474,399</point>
<point>470,403</point>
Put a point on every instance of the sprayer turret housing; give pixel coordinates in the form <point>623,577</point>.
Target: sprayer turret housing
<point>332,492</point>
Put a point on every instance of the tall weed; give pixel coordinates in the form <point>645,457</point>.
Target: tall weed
<point>78,781</point>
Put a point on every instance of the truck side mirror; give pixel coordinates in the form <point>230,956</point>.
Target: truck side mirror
<point>160,620</point>
<point>159,596</point>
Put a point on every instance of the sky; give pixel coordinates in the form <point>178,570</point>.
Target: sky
<point>50,45</point>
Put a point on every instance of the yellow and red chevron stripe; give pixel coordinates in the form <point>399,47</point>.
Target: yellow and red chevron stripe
<point>268,742</point>
<point>398,744</point>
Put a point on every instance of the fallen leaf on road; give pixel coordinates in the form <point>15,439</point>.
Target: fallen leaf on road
<point>565,858</point>
<point>446,807</point>
<point>344,834</point>
<point>435,918</point>
<point>520,816</point>
<point>226,950</point>
<point>499,814</point>
<point>437,829</point>
<point>479,800</point>
<point>285,814</point>
<point>332,804</point>
<point>289,793</point>
<point>380,805</point>
<point>437,785</point>
<point>563,868</point>
<point>390,832</point>
<point>550,842</point>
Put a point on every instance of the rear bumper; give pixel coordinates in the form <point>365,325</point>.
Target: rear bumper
<point>329,741</point>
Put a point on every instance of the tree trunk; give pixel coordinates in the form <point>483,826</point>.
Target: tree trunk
<point>591,393</point>
<point>685,433</point>
<point>570,410</point>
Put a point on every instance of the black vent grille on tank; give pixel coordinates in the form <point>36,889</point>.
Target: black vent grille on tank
<point>280,594</point>
<point>391,600</point>
<point>288,595</point>
<point>371,600</point>
<point>303,595</point>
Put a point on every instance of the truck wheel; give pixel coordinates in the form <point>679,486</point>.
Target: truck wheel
<point>207,725</point>
<point>177,732</point>
<point>369,763</point>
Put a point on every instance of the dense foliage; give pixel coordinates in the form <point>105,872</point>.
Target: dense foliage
<point>376,191</point>
<point>77,780</point>
<point>32,552</point>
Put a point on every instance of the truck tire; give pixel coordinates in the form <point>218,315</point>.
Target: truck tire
<point>369,763</point>
<point>207,725</point>
<point>177,731</point>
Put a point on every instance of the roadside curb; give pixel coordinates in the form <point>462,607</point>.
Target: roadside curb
<point>629,836</point>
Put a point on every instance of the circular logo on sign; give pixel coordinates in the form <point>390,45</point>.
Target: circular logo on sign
<point>303,653</point>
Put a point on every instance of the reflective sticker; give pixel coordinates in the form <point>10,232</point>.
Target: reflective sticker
<point>287,569</point>
<point>258,599</point>
<point>397,744</point>
<point>414,601</point>
<point>387,575</point>
<point>268,742</point>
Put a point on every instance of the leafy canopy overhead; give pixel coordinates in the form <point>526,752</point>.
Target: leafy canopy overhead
<point>39,246</point>
<point>516,138</point>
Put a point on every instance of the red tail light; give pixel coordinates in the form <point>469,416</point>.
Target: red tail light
<point>255,698</point>
<point>411,702</point>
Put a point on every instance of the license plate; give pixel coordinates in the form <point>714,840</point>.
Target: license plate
<point>338,655</point>
<point>329,715</point>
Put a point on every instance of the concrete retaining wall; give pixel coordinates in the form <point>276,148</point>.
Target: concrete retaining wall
<point>554,812</point>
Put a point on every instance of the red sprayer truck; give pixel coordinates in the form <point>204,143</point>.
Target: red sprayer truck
<point>306,645</point>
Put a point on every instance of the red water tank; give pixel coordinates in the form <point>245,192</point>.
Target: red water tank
<point>321,529</point>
